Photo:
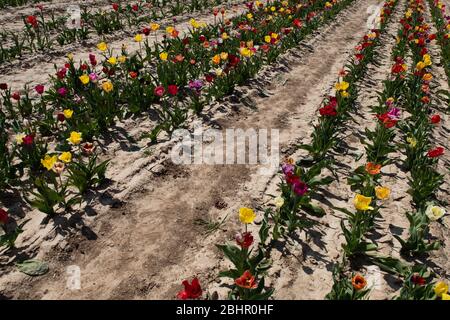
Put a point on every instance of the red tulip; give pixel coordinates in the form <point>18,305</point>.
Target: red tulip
<point>39,89</point>
<point>3,216</point>
<point>31,20</point>
<point>297,23</point>
<point>84,67</point>
<point>202,38</point>
<point>247,280</point>
<point>134,7</point>
<point>3,86</point>
<point>417,279</point>
<point>436,152</point>
<point>61,73</point>
<point>61,117</point>
<point>328,111</point>
<point>28,140</point>
<point>173,89</point>
<point>191,290</point>
<point>435,119</point>
<point>93,60</point>
<point>159,91</point>
<point>146,31</point>
<point>244,240</point>
<point>133,74</point>
<point>115,6</point>
<point>16,96</point>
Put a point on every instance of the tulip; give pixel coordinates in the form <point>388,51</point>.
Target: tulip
<point>246,215</point>
<point>49,161</point>
<point>62,91</point>
<point>107,86</point>
<point>244,240</point>
<point>359,282</point>
<point>191,290</point>
<point>39,89</point>
<point>88,148</point>
<point>84,79</point>
<point>417,279</point>
<point>16,96</point>
<point>159,91</point>
<point>172,89</point>
<point>163,56</point>
<point>382,193</point>
<point>246,281</point>
<point>3,217</point>
<point>436,152</point>
<point>279,202</point>
<point>58,168</point>
<point>102,46</point>
<point>434,213</point>
<point>373,168</point>
<point>68,113</point>
<point>28,140</point>
<point>75,138</point>
<point>362,203</point>
<point>440,288</point>
<point>435,119</point>
<point>65,157</point>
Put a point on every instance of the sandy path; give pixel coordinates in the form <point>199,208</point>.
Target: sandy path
<point>145,247</point>
<point>37,69</point>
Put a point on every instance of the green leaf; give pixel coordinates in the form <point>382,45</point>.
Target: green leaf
<point>33,267</point>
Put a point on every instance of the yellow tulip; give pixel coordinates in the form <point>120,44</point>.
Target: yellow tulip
<point>68,113</point>
<point>249,16</point>
<point>154,26</point>
<point>138,37</point>
<point>75,138</point>
<point>122,59</point>
<point>163,56</point>
<point>440,288</point>
<point>216,59</point>
<point>49,161</point>
<point>225,36</point>
<point>420,65</point>
<point>84,79</point>
<point>267,39</point>
<point>107,86</point>
<point>342,86</point>
<point>224,56</point>
<point>362,203</point>
<point>427,77</point>
<point>412,141</point>
<point>344,94</point>
<point>65,157</point>
<point>246,215</point>
<point>382,193</point>
<point>102,46</point>
<point>112,60</point>
<point>445,296</point>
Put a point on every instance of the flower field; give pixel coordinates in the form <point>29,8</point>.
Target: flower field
<point>94,94</point>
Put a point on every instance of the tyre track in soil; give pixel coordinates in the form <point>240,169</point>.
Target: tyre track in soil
<point>311,264</point>
<point>38,69</point>
<point>150,243</point>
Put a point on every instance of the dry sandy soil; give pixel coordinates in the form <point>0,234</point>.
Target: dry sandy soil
<point>137,237</point>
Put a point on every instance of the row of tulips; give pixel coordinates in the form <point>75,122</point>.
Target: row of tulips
<point>82,102</point>
<point>421,154</point>
<point>418,281</point>
<point>442,23</point>
<point>41,34</point>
